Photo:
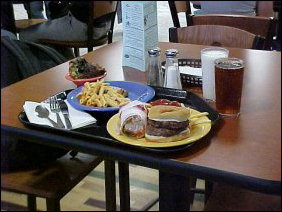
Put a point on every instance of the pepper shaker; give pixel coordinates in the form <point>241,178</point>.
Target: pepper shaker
<point>154,69</point>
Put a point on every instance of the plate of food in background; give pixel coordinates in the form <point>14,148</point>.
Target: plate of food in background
<point>81,71</point>
<point>109,95</point>
<point>159,124</point>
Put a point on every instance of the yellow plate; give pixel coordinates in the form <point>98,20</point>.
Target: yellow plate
<point>196,132</point>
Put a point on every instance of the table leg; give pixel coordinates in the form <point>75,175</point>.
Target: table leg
<point>53,204</point>
<point>174,192</point>
<point>124,186</point>
<point>8,16</point>
<point>208,189</point>
<point>110,185</point>
<point>31,202</point>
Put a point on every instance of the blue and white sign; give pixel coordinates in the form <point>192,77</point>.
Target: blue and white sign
<point>140,32</point>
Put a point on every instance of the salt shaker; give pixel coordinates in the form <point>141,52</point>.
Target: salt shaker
<point>172,74</point>
<point>154,69</point>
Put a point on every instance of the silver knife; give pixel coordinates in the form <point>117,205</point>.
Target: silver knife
<point>65,112</point>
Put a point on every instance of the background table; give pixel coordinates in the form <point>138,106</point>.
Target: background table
<point>243,151</point>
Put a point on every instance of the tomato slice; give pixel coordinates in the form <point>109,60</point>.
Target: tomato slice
<point>165,102</point>
<point>175,103</point>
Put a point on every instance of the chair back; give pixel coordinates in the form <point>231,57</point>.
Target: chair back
<point>101,8</point>
<point>262,26</point>
<point>8,17</point>
<point>177,7</point>
<point>277,19</point>
<point>98,9</point>
<point>215,35</point>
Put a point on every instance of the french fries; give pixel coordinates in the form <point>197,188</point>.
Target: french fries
<point>99,94</point>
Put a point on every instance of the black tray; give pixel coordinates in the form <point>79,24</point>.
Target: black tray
<point>99,131</point>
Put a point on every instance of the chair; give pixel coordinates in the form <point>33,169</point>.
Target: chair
<point>96,9</point>
<point>177,7</point>
<point>51,182</point>
<point>261,26</point>
<point>7,16</point>
<point>215,35</point>
<point>9,23</point>
<point>276,45</point>
<point>25,23</point>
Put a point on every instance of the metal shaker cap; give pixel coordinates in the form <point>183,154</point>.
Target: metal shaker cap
<point>154,52</point>
<point>171,52</point>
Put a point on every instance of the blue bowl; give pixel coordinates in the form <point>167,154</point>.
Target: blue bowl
<point>136,91</point>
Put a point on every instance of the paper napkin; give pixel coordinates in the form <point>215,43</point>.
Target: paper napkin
<point>190,70</point>
<point>77,118</point>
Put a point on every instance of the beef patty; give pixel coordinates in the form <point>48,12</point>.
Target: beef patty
<point>165,128</point>
<point>168,124</point>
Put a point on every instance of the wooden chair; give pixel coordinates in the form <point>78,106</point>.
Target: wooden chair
<point>261,26</point>
<point>277,18</point>
<point>96,9</point>
<point>215,35</point>
<point>25,23</point>
<point>229,198</point>
<point>9,23</point>
<point>7,16</point>
<point>51,182</point>
<point>177,7</point>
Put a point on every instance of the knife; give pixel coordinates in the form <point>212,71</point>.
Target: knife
<point>65,112</point>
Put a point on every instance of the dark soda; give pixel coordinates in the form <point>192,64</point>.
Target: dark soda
<point>228,85</point>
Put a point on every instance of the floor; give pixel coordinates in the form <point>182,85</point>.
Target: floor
<point>89,194</point>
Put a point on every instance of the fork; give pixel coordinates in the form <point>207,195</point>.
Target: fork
<point>55,108</point>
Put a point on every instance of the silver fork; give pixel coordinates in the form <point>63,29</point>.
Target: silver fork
<point>55,108</point>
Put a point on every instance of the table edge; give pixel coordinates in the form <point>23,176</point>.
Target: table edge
<point>148,160</point>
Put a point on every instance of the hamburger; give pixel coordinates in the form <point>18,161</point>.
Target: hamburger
<point>167,123</point>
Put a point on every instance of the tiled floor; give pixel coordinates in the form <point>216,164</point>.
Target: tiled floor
<point>89,194</point>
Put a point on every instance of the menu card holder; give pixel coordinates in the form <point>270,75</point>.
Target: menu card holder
<point>140,32</point>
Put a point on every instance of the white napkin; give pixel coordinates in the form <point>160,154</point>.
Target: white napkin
<point>190,70</point>
<point>77,118</point>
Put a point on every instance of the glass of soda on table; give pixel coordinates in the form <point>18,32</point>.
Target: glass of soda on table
<point>228,85</point>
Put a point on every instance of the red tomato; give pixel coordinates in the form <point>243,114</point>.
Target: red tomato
<point>165,102</point>
<point>175,103</point>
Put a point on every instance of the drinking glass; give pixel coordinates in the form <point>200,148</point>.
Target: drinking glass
<point>228,85</point>
<point>208,56</point>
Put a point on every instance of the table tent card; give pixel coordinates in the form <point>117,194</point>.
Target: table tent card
<point>140,32</point>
